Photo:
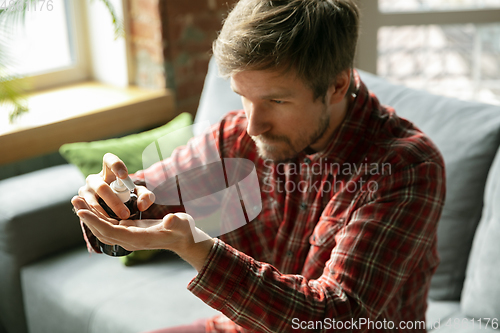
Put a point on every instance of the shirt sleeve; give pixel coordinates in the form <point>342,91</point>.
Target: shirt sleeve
<point>193,170</point>
<point>199,158</point>
<point>374,255</point>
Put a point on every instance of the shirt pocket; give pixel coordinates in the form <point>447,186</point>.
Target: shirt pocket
<point>321,244</point>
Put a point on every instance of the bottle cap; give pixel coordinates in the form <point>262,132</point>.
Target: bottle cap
<point>120,188</point>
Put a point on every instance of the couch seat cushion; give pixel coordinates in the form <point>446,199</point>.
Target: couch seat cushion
<point>446,317</point>
<point>77,292</point>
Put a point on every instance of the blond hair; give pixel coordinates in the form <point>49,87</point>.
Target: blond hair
<point>315,38</point>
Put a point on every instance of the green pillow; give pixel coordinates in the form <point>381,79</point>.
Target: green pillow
<point>87,156</point>
<point>139,257</point>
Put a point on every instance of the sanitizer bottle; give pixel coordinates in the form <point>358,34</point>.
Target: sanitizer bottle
<point>125,190</point>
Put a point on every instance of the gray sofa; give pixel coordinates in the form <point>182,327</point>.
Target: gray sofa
<point>49,283</point>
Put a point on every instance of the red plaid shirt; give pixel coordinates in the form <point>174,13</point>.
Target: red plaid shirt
<point>346,235</point>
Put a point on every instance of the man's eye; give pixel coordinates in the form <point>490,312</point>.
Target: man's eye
<point>277,101</point>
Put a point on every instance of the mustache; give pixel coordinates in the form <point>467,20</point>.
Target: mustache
<point>270,138</point>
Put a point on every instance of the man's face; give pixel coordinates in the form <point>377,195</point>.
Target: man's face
<point>283,117</point>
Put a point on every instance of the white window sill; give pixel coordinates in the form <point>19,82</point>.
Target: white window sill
<point>80,112</point>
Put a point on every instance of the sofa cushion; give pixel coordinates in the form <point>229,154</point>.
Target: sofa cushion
<point>217,98</point>
<point>458,322</point>
<point>438,311</point>
<point>481,294</point>
<point>468,135</point>
<point>87,156</point>
<point>81,293</point>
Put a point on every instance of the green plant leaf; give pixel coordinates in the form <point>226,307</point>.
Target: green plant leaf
<point>11,92</point>
<point>117,24</point>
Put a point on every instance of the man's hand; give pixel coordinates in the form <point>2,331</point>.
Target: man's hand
<point>174,232</point>
<point>98,185</point>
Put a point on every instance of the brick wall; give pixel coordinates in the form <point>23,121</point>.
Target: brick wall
<point>172,41</point>
<point>146,37</point>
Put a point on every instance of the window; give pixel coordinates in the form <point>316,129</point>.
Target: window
<point>49,44</point>
<point>388,6</point>
<point>448,47</point>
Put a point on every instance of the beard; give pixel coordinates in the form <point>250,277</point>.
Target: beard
<point>281,149</point>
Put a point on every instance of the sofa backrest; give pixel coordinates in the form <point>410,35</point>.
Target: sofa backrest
<point>468,135</point>
<point>29,165</point>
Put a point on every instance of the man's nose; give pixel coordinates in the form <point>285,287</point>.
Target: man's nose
<point>257,119</point>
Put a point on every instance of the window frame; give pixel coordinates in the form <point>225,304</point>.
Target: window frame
<point>372,20</point>
<point>81,69</point>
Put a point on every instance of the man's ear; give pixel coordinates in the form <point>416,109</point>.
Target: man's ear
<point>339,88</point>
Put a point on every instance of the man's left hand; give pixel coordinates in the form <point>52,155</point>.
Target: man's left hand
<point>174,232</point>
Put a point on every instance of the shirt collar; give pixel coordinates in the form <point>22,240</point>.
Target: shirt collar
<point>349,132</point>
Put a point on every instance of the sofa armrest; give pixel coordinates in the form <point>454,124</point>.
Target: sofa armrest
<point>37,217</point>
<point>36,220</point>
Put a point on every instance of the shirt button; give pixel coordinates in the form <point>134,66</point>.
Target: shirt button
<point>303,206</point>
<point>307,160</point>
<point>289,253</point>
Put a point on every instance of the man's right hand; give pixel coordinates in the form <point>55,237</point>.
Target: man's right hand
<point>98,185</point>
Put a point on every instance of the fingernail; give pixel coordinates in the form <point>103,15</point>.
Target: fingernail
<point>124,213</point>
<point>122,173</point>
<point>151,197</point>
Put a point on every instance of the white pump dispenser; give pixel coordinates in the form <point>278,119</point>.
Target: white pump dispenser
<point>121,190</point>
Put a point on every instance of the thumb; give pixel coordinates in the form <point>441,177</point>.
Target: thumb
<point>145,198</point>
<point>198,235</point>
<point>113,167</point>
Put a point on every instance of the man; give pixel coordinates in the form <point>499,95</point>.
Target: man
<point>351,194</point>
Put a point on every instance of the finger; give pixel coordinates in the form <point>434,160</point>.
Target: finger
<point>115,234</point>
<point>86,221</point>
<point>104,191</point>
<point>88,218</point>
<point>145,198</point>
<point>185,224</point>
<point>177,221</point>
<point>89,194</point>
<point>102,229</point>
<point>80,203</point>
<point>113,167</point>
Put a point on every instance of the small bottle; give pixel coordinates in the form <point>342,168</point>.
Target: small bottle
<point>125,191</point>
